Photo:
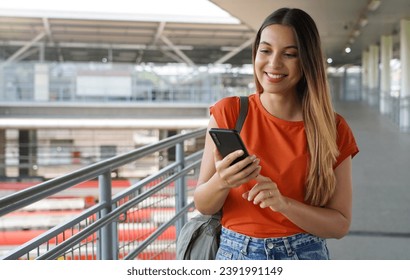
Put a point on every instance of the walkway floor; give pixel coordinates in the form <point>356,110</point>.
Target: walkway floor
<point>380,228</point>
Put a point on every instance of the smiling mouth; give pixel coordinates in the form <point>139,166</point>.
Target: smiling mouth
<point>275,76</point>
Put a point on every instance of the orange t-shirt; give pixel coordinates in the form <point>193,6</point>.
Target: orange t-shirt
<point>281,145</point>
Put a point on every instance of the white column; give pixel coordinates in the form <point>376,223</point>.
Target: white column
<point>3,152</point>
<point>41,89</point>
<point>373,74</point>
<point>2,84</point>
<point>386,56</point>
<point>365,74</point>
<point>405,74</point>
<point>41,52</point>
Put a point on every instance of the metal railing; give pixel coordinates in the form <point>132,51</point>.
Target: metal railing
<point>139,222</point>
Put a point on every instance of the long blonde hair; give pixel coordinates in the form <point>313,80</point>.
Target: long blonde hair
<point>318,113</point>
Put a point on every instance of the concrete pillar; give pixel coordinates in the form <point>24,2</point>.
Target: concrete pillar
<point>41,53</point>
<point>2,153</point>
<point>345,92</point>
<point>405,74</point>
<point>373,96</point>
<point>365,74</point>
<point>385,82</point>
<point>27,153</point>
<point>41,88</point>
<point>2,84</point>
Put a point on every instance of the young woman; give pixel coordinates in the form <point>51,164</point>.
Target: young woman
<point>295,189</point>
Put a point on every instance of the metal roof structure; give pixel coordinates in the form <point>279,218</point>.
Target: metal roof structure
<point>78,38</point>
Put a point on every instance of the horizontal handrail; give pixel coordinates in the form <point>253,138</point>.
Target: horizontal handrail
<point>27,196</point>
<point>152,177</point>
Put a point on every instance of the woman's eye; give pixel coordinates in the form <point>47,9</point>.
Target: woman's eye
<point>291,55</point>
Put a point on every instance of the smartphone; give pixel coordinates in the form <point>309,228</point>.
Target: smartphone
<point>228,141</point>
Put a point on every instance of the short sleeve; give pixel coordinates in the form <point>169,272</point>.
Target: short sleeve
<point>345,141</point>
<point>225,112</point>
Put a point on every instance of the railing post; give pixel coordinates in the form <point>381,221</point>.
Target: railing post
<point>180,196</point>
<point>106,240</point>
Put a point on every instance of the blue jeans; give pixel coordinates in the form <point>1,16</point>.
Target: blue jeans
<point>302,246</point>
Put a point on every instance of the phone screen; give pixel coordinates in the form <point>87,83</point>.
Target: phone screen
<point>228,141</point>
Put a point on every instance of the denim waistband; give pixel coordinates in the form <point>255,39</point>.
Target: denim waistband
<point>297,246</point>
<point>290,238</point>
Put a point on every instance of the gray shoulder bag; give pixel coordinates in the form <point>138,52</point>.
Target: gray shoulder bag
<point>199,237</point>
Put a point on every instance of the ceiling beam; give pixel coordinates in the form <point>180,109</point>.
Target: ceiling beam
<point>235,51</point>
<point>25,47</point>
<point>172,55</point>
<point>177,51</point>
<point>47,29</point>
<point>27,54</point>
<point>138,58</point>
<point>158,34</point>
<point>163,49</point>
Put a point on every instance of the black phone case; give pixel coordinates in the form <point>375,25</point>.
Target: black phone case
<point>228,141</point>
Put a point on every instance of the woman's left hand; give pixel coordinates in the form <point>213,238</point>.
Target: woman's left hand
<point>266,194</point>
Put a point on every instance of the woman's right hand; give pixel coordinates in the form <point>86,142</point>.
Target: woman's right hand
<point>239,173</point>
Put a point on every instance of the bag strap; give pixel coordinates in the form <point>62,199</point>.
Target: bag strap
<point>243,111</point>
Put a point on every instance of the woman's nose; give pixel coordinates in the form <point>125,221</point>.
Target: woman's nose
<point>275,61</point>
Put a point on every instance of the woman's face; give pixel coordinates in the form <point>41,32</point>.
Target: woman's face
<point>277,64</point>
